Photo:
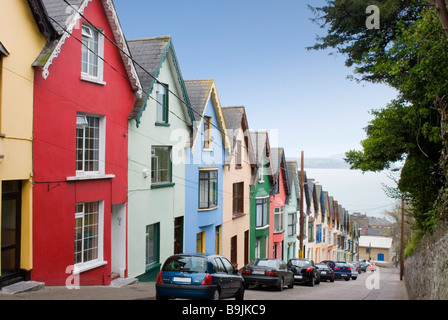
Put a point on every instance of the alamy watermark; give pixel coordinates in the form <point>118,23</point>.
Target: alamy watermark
<point>373,20</point>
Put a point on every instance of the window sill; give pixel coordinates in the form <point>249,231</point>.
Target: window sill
<point>238,215</point>
<point>88,78</point>
<point>88,266</point>
<point>162,185</point>
<point>208,209</point>
<point>262,228</point>
<point>153,266</point>
<point>279,231</point>
<point>161,124</point>
<point>91,177</point>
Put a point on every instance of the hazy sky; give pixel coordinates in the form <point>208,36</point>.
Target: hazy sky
<point>256,52</point>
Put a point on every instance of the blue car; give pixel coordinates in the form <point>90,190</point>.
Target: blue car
<point>199,276</point>
<point>341,269</point>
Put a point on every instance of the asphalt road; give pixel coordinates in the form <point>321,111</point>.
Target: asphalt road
<point>383,284</point>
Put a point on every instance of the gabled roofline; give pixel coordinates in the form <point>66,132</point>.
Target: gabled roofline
<point>53,48</point>
<point>169,48</point>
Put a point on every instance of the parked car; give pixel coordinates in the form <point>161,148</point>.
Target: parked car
<point>199,276</point>
<point>341,269</point>
<point>304,271</point>
<point>354,271</point>
<point>357,265</point>
<point>325,272</point>
<point>271,272</point>
<point>364,265</point>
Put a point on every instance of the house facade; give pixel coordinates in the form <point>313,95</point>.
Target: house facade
<point>240,166</point>
<point>205,161</point>
<point>81,110</point>
<point>159,132</point>
<point>292,213</point>
<point>279,198</point>
<point>16,131</point>
<point>262,180</point>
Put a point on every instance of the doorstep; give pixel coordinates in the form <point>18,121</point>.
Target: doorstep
<point>23,286</point>
<point>121,282</point>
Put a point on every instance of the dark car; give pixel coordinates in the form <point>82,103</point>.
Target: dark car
<point>271,272</point>
<point>304,271</point>
<point>325,272</point>
<point>199,276</point>
<point>341,269</point>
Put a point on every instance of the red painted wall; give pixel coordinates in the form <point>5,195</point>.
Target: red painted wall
<point>276,201</point>
<point>57,100</point>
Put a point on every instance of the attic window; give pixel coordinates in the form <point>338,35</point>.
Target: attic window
<point>92,54</point>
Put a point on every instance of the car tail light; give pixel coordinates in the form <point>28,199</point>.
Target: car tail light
<point>271,273</point>
<point>336,268</point>
<point>246,271</point>
<point>309,269</point>
<point>348,269</point>
<point>207,280</point>
<point>159,277</point>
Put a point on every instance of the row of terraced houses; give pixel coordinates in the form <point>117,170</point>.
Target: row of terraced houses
<point>111,161</point>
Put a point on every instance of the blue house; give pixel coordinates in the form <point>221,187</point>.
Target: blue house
<point>205,159</point>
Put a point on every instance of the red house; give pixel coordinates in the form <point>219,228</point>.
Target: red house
<point>85,89</point>
<point>279,196</point>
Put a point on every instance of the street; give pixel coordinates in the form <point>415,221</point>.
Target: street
<point>383,284</point>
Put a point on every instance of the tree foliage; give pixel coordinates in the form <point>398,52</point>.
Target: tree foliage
<point>409,52</point>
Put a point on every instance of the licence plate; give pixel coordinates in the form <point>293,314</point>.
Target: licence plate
<point>343,275</point>
<point>297,277</point>
<point>182,280</point>
<point>324,272</point>
<point>257,272</point>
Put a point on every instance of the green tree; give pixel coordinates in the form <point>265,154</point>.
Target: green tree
<point>409,52</point>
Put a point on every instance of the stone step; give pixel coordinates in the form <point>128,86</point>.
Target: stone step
<point>121,282</point>
<point>23,286</point>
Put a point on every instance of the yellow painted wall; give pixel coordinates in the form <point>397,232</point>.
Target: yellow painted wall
<point>236,227</point>
<point>20,35</point>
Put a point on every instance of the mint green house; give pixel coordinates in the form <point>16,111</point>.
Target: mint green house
<point>160,127</point>
<point>262,181</point>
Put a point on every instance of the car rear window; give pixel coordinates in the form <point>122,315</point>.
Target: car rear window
<point>341,264</point>
<point>300,263</point>
<point>264,263</point>
<point>185,264</point>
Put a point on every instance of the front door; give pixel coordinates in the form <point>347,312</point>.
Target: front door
<point>10,231</point>
<point>118,245</point>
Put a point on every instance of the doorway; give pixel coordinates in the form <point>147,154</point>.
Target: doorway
<point>118,238</point>
<point>10,229</point>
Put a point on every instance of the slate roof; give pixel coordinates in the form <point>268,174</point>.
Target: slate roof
<point>59,11</point>
<point>235,117</point>
<point>199,93</point>
<point>262,152</point>
<point>293,179</point>
<point>279,164</point>
<point>149,55</point>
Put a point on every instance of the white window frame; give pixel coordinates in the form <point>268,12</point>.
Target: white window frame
<point>264,215</point>
<point>100,173</point>
<point>99,261</point>
<point>88,31</point>
<point>279,214</point>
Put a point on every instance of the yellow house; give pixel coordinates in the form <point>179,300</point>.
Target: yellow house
<point>24,31</point>
<point>237,175</point>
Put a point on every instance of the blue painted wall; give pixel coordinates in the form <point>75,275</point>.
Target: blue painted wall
<point>197,221</point>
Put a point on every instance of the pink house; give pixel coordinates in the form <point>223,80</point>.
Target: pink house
<point>279,196</point>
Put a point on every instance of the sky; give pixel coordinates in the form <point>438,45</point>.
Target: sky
<point>255,50</point>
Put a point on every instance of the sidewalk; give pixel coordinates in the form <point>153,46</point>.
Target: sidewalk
<point>391,287</point>
<point>134,291</point>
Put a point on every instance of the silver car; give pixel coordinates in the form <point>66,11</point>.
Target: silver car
<point>355,272</point>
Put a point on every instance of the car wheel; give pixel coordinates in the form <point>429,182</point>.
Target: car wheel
<point>354,278</point>
<point>347,279</point>
<point>312,282</point>
<point>317,279</point>
<point>215,295</point>
<point>291,285</point>
<point>240,294</point>
<point>332,280</point>
<point>282,283</point>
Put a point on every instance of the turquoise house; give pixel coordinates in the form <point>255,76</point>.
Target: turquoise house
<point>205,160</point>
<point>160,127</point>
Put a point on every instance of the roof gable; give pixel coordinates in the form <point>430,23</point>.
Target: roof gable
<point>199,93</point>
<point>149,55</point>
<point>64,18</point>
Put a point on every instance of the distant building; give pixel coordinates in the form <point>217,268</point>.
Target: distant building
<point>377,249</point>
